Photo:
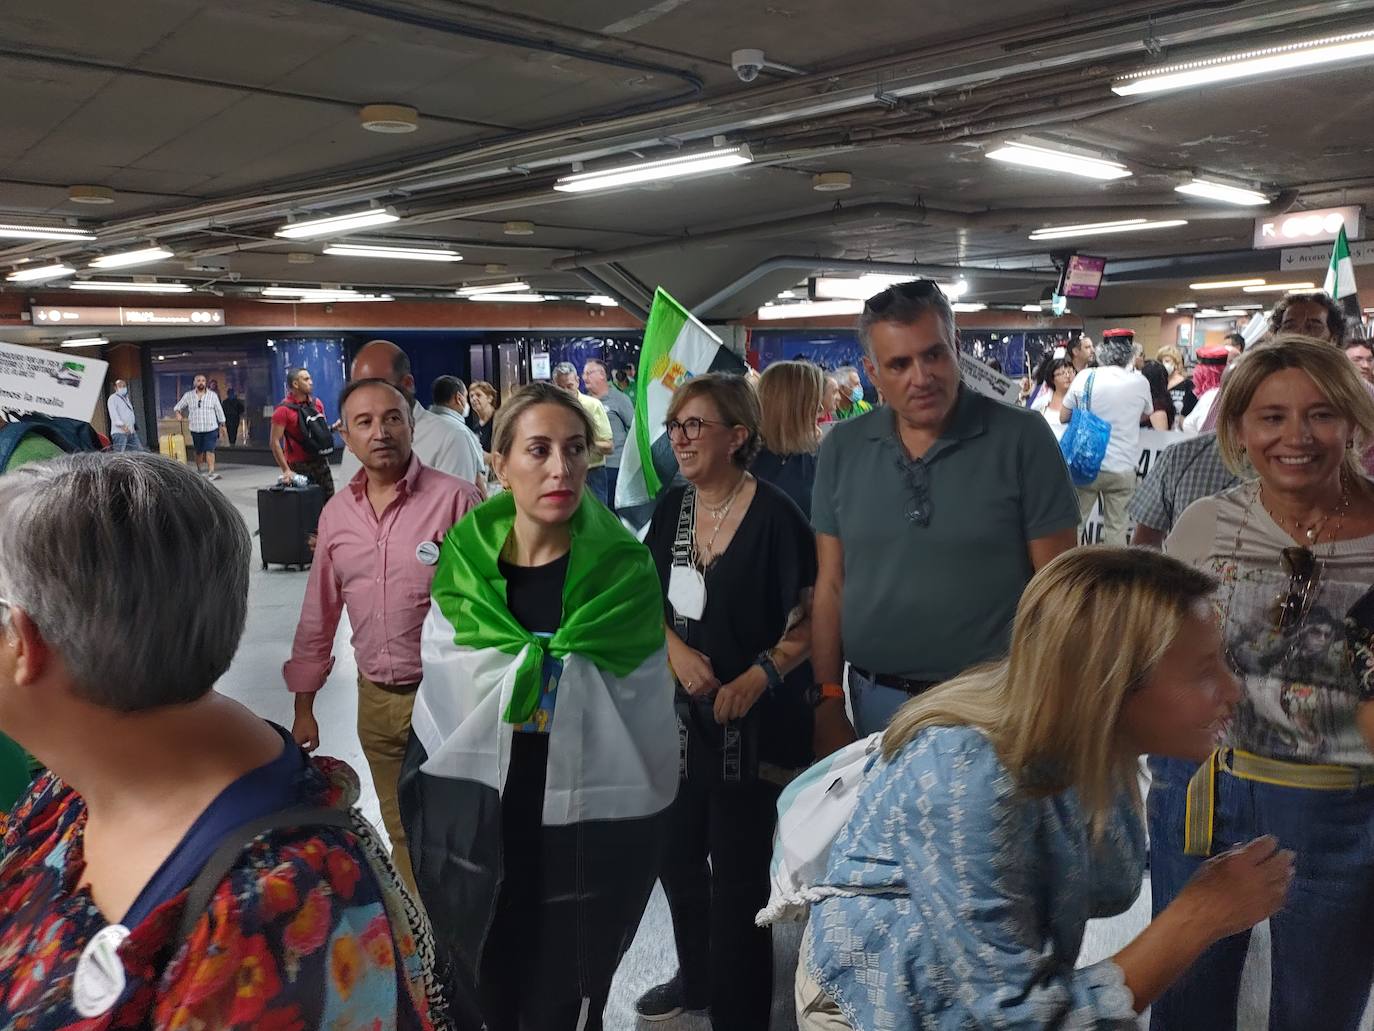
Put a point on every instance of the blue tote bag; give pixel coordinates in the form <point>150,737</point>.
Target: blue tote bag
<point>1084,443</point>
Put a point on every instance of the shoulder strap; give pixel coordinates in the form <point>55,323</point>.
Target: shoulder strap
<point>682,541</point>
<point>1088,393</point>
<point>233,846</point>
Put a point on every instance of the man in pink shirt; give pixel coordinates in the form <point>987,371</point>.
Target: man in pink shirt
<point>378,544</point>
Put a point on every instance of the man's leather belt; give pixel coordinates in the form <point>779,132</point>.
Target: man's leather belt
<point>911,687</point>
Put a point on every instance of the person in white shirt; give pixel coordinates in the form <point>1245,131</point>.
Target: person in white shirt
<point>450,401</point>
<point>201,406</point>
<point>123,421</point>
<point>1121,396</point>
<point>438,441</point>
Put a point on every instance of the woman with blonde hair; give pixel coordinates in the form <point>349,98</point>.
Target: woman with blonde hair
<point>790,397</point>
<point>1294,548</point>
<point>1180,383</point>
<point>1004,813</point>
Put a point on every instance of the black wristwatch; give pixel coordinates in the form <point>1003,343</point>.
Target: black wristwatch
<point>770,669</point>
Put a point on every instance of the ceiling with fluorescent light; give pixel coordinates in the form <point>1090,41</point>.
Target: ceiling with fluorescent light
<point>213,122</point>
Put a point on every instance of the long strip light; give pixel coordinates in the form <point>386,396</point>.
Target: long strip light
<point>1226,284</point>
<point>312,294</point>
<point>651,171</point>
<point>810,309</point>
<point>102,286</point>
<point>1047,160</point>
<point>968,306</point>
<point>128,259</point>
<point>359,250</point>
<point>34,275</point>
<point>85,342</point>
<point>1249,63</point>
<point>12,231</point>
<point>510,298</point>
<point>1210,189</point>
<point>1127,225</point>
<point>492,288</point>
<point>603,300</point>
<point>337,225</point>
<point>1279,288</point>
<point>834,288</point>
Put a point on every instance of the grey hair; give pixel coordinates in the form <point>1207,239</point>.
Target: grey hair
<point>905,308</point>
<point>842,372</point>
<point>1117,351</point>
<point>565,369</point>
<point>113,555</point>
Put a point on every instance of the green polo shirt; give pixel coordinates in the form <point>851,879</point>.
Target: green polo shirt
<point>927,602</point>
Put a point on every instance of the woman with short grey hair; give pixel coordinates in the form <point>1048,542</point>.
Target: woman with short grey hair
<point>183,863</point>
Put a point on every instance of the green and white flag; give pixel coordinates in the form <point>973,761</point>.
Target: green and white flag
<point>676,348</point>
<point>1340,279</point>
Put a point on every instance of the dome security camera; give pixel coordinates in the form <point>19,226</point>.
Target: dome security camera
<point>748,64</point>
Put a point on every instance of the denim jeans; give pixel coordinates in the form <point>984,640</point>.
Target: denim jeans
<point>873,704</point>
<point>597,483</point>
<point>125,442</point>
<point>1322,940</point>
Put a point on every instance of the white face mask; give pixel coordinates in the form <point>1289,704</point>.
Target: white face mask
<point>1168,365</point>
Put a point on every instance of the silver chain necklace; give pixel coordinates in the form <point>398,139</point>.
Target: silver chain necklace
<point>720,515</point>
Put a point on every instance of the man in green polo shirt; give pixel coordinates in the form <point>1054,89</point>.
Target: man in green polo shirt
<point>931,515</point>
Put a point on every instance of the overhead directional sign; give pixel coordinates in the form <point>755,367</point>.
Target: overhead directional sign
<point>63,315</point>
<point>1316,259</point>
<point>1299,227</point>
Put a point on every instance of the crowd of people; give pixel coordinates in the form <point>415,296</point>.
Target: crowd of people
<point>556,714</point>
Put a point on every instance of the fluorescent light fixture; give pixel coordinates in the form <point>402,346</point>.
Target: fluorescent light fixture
<point>359,250</point>
<point>34,275</point>
<point>1186,305</point>
<point>85,342</point>
<point>12,231</point>
<point>1046,160</point>
<point>1217,313</point>
<point>1212,190</point>
<point>1279,288</point>
<point>1243,65</point>
<point>511,298</point>
<point>337,225</point>
<point>651,171</point>
<point>129,258</point>
<point>1031,308</point>
<point>1171,311</point>
<point>1226,284</point>
<point>1125,225</point>
<point>101,286</point>
<point>314,295</point>
<point>603,300</point>
<point>834,288</point>
<point>787,295</point>
<point>810,309</point>
<point>492,288</point>
<point>968,306</point>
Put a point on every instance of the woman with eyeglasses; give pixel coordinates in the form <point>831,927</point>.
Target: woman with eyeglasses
<point>1293,547</point>
<point>737,563</point>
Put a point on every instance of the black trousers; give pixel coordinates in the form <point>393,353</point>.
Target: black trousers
<point>722,955</point>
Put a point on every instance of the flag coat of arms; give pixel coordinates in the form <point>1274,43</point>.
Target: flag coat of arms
<point>595,698</point>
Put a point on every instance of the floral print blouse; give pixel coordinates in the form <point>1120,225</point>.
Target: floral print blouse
<point>306,931</point>
<point>959,902</point>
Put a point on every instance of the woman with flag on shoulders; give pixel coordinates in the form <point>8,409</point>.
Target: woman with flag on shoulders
<point>544,749</point>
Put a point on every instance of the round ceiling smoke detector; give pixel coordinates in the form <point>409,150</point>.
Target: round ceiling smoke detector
<point>518,229</point>
<point>389,118</point>
<point>831,182</point>
<point>90,195</point>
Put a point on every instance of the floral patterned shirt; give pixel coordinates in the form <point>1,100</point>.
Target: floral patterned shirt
<point>960,902</point>
<point>306,931</point>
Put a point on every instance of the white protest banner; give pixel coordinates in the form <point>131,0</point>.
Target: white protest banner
<point>1152,443</point>
<point>987,380</point>
<point>49,382</point>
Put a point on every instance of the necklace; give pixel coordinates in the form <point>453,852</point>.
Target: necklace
<point>729,500</point>
<point>720,514</point>
<point>1313,530</point>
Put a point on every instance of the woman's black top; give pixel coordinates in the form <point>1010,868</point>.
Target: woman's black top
<point>751,590</point>
<point>794,475</point>
<point>534,594</point>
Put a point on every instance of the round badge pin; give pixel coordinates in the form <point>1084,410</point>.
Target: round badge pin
<point>428,553</point>
<point>99,980</point>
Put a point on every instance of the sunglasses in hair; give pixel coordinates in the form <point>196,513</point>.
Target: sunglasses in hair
<point>915,290</point>
<point>917,477</point>
<point>1301,566</point>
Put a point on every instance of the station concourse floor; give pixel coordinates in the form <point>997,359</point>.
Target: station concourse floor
<point>255,680</point>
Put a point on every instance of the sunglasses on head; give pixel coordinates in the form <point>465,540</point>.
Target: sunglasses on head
<point>915,290</point>
<point>1301,566</point>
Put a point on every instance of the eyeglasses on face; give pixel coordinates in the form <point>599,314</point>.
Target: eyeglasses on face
<point>1301,566</point>
<point>916,290</point>
<point>689,428</point>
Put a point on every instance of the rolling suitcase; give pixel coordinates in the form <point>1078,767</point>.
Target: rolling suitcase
<point>287,516</point>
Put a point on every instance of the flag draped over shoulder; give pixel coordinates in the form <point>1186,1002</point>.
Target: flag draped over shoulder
<point>676,347</point>
<point>1340,280</point>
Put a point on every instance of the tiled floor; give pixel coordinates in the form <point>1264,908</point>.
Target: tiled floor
<point>255,680</point>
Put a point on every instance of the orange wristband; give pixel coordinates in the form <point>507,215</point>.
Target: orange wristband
<point>832,691</point>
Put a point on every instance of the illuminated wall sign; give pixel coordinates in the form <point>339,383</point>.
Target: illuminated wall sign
<point>1299,227</point>
<point>63,315</point>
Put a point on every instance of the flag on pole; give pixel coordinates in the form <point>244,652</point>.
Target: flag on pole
<point>676,348</point>
<point>1340,280</point>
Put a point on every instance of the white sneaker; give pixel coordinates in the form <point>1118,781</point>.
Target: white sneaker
<point>216,476</point>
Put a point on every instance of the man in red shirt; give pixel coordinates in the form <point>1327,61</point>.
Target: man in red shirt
<point>378,544</point>
<point>289,445</point>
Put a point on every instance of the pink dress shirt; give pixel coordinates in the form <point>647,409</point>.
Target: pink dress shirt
<point>371,567</point>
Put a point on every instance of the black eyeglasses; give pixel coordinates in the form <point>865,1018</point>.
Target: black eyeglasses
<point>689,428</point>
<point>916,290</point>
<point>1301,566</point>
<point>917,477</point>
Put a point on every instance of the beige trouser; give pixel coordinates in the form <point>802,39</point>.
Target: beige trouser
<point>816,1011</point>
<point>384,728</point>
<point>1115,490</point>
